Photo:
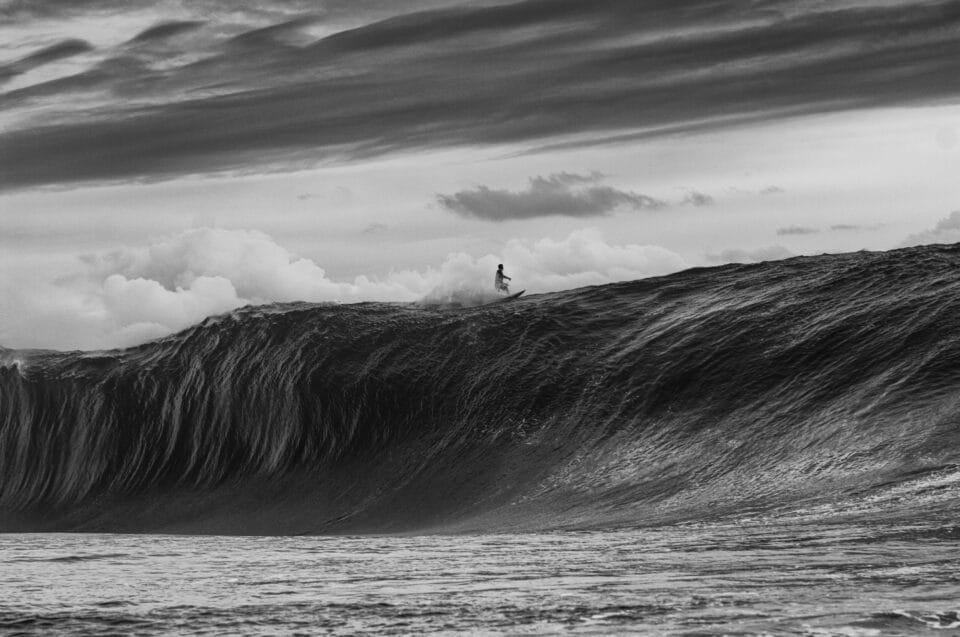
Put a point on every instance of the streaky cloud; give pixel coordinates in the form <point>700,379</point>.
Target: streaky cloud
<point>796,230</point>
<point>535,72</point>
<point>274,35</point>
<point>165,30</point>
<point>46,55</point>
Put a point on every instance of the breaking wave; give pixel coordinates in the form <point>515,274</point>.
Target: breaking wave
<point>817,384</point>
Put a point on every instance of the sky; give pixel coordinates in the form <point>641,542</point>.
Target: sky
<point>164,161</point>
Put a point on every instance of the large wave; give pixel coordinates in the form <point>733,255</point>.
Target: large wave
<point>815,381</point>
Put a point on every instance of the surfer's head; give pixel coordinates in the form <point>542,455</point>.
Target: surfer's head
<point>500,267</point>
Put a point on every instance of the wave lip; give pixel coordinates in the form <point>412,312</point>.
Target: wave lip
<point>735,390</point>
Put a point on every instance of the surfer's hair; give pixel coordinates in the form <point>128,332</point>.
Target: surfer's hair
<point>500,267</point>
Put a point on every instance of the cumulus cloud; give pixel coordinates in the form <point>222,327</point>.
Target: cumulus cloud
<point>567,194</point>
<point>796,230</point>
<point>128,296</point>
<point>738,255</point>
<point>257,269</point>
<point>289,91</point>
<point>585,258</point>
<point>945,231</point>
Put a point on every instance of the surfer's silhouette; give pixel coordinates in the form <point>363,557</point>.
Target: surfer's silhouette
<point>498,283</point>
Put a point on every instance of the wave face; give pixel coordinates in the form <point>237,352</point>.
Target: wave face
<point>821,384</point>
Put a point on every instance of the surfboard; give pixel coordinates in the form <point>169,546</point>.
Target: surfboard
<point>512,296</point>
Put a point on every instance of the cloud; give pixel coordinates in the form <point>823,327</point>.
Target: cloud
<point>375,228</point>
<point>565,194</point>
<point>843,227</point>
<point>737,255</point>
<point>847,227</point>
<point>338,11</point>
<point>584,258</point>
<point>796,230</point>
<point>165,30</point>
<point>46,55</point>
<point>945,231</point>
<point>698,199</point>
<point>284,95</point>
<point>131,295</point>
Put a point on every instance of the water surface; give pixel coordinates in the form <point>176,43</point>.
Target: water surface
<point>744,577</point>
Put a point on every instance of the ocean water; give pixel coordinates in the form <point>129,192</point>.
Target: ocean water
<point>747,449</point>
<point>746,578</point>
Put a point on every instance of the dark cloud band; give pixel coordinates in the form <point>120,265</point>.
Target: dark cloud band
<point>522,72</point>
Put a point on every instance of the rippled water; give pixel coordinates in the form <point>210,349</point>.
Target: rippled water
<point>746,578</point>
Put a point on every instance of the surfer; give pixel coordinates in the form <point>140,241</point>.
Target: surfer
<point>498,283</point>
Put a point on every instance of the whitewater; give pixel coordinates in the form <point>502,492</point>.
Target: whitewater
<point>749,449</point>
